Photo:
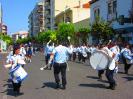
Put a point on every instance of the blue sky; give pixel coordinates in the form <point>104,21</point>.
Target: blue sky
<point>16,12</point>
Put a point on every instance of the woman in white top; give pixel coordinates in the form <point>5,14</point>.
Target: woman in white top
<point>13,60</point>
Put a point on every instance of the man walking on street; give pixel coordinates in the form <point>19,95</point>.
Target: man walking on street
<point>59,55</point>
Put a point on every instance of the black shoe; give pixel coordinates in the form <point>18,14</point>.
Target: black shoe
<point>111,87</point>
<point>100,77</point>
<point>57,86</point>
<point>126,72</point>
<point>63,87</point>
<point>45,68</point>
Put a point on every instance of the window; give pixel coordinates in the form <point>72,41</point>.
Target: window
<point>109,8</point>
<point>97,13</point>
<point>112,10</point>
<point>114,6</point>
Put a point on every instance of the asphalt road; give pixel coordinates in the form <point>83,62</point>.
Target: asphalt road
<point>82,82</point>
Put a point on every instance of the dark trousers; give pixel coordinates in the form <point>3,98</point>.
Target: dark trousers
<point>60,68</point>
<point>83,59</point>
<point>74,56</point>
<point>47,57</point>
<point>70,56</point>
<point>127,67</point>
<point>88,55</point>
<point>16,86</point>
<point>110,77</point>
<point>79,56</point>
<point>100,72</point>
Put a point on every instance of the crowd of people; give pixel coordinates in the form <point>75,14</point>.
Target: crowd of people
<point>57,56</point>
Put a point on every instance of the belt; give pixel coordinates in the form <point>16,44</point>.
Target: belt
<point>59,63</point>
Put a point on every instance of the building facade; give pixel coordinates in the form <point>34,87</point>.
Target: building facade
<point>4,29</point>
<point>119,13</point>
<point>79,15</point>
<point>36,19</point>
<point>49,14</point>
<point>20,35</point>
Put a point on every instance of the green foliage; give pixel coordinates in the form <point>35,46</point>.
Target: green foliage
<point>46,36</point>
<point>24,40</point>
<point>6,38</point>
<point>101,29</point>
<point>83,33</point>
<point>65,30</point>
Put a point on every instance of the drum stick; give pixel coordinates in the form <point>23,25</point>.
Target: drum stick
<point>109,42</point>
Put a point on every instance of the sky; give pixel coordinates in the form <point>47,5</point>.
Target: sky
<point>15,14</point>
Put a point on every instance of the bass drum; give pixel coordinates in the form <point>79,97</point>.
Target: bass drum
<point>99,60</point>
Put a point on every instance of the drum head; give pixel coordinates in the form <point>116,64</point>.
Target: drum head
<point>99,60</point>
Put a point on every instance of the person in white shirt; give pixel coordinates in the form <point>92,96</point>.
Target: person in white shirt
<point>74,53</point>
<point>127,57</point>
<point>84,53</point>
<point>22,52</point>
<point>13,63</point>
<point>47,51</point>
<point>59,56</point>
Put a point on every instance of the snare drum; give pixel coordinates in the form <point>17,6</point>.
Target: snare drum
<point>18,73</point>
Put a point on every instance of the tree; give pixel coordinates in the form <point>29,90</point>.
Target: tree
<point>65,30</point>
<point>101,29</point>
<point>7,39</point>
<point>45,36</point>
<point>83,32</point>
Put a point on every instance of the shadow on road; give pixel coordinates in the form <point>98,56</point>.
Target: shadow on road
<point>128,78</point>
<point>9,90</point>
<point>92,77</point>
<point>93,85</point>
<point>120,72</point>
<point>48,84</point>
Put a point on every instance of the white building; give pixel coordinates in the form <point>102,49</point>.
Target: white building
<point>117,13</point>
<point>20,34</point>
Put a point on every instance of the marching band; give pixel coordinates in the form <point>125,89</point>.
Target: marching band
<point>103,57</point>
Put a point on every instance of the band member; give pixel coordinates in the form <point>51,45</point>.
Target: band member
<point>59,55</point>
<point>111,68</point>
<point>83,51</point>
<point>48,49</point>
<point>74,53</point>
<point>79,53</point>
<point>127,58</point>
<point>29,53</point>
<point>14,61</point>
<point>22,52</point>
<point>70,55</point>
<point>100,72</point>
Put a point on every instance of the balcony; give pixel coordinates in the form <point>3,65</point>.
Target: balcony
<point>47,4</point>
<point>40,9</point>
<point>47,7</point>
